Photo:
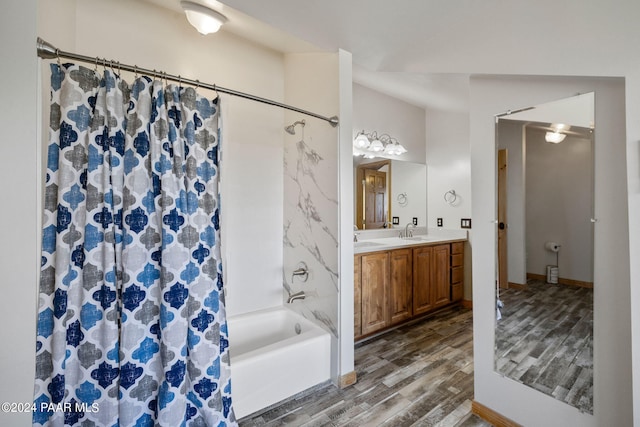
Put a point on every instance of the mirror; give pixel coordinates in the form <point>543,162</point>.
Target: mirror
<point>544,292</point>
<point>389,193</point>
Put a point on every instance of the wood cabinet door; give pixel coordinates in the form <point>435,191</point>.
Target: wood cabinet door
<point>357,296</point>
<point>375,291</point>
<point>422,266</point>
<point>440,283</point>
<point>400,262</point>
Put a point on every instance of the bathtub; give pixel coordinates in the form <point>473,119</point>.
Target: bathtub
<point>271,361</point>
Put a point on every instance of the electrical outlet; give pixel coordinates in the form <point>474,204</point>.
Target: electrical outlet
<point>415,221</point>
<point>396,220</point>
<point>439,221</point>
<point>465,222</point>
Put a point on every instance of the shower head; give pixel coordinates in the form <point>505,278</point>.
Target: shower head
<point>291,129</point>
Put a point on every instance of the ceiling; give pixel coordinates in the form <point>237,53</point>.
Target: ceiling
<point>423,51</point>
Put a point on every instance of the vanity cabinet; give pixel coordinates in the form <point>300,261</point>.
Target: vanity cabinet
<point>357,295</point>
<point>374,278</point>
<point>457,271</point>
<point>400,267</point>
<point>431,286</point>
<point>394,286</point>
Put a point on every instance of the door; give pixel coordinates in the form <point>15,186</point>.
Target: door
<point>400,295</point>
<point>375,291</point>
<point>375,198</point>
<point>440,275</point>
<point>503,280</point>
<point>422,265</point>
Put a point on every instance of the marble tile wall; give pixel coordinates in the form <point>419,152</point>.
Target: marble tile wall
<point>311,225</point>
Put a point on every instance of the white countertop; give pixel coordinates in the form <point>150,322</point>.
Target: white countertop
<point>375,242</point>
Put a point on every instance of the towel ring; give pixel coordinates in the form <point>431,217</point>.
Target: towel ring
<point>402,199</point>
<point>450,197</point>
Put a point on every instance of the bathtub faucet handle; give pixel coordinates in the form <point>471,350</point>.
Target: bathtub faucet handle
<point>301,270</point>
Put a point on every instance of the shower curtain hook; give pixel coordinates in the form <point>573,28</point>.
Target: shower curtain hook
<point>215,89</point>
<point>95,68</point>
<point>135,71</point>
<point>179,80</point>
<point>197,85</point>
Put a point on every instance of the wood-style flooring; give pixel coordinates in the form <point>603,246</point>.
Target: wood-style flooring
<point>417,375</point>
<point>545,340</point>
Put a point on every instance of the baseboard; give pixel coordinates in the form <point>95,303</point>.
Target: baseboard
<point>347,379</point>
<point>491,416</point>
<point>467,303</point>
<point>513,285</point>
<point>562,280</point>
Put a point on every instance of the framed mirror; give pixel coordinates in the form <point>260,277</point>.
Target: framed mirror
<point>388,190</point>
<point>544,288</point>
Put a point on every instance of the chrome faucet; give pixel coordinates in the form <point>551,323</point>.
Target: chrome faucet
<point>407,233</point>
<point>297,295</point>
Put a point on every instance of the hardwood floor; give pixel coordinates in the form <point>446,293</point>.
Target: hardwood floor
<point>416,375</point>
<point>545,340</point>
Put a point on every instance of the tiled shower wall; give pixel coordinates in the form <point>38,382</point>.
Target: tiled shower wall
<point>311,224</point>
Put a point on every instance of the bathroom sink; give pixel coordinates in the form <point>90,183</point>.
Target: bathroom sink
<point>419,238</point>
<point>365,244</point>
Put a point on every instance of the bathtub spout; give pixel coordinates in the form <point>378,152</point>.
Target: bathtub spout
<point>297,295</point>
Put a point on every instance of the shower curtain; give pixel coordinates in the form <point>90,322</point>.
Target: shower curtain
<point>131,318</point>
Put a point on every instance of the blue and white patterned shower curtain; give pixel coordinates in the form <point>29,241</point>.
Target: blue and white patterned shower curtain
<point>131,318</point>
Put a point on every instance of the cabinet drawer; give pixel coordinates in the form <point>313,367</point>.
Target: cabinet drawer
<point>457,274</point>
<point>457,248</point>
<point>457,260</point>
<point>456,292</point>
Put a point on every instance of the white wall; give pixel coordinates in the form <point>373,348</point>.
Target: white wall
<point>251,178</point>
<point>612,310</point>
<point>20,175</point>
<point>559,204</point>
<point>449,168</point>
<point>345,190</point>
<point>375,111</point>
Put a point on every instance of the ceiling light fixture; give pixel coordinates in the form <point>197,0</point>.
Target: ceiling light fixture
<point>555,137</point>
<point>371,145</point>
<point>203,19</point>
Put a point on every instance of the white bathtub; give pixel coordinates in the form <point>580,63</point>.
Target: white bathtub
<point>270,361</point>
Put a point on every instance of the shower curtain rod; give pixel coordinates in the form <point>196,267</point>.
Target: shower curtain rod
<point>48,51</point>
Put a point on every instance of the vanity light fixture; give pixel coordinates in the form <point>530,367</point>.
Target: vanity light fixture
<point>203,19</point>
<point>371,145</point>
<point>361,141</point>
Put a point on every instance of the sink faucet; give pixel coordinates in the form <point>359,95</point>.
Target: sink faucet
<point>297,295</point>
<point>407,232</point>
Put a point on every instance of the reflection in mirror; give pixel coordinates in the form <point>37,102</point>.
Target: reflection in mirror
<point>544,293</point>
<point>388,189</point>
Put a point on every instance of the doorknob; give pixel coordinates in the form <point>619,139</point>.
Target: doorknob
<point>502,226</point>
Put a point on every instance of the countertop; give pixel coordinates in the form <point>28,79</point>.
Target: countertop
<point>377,242</point>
